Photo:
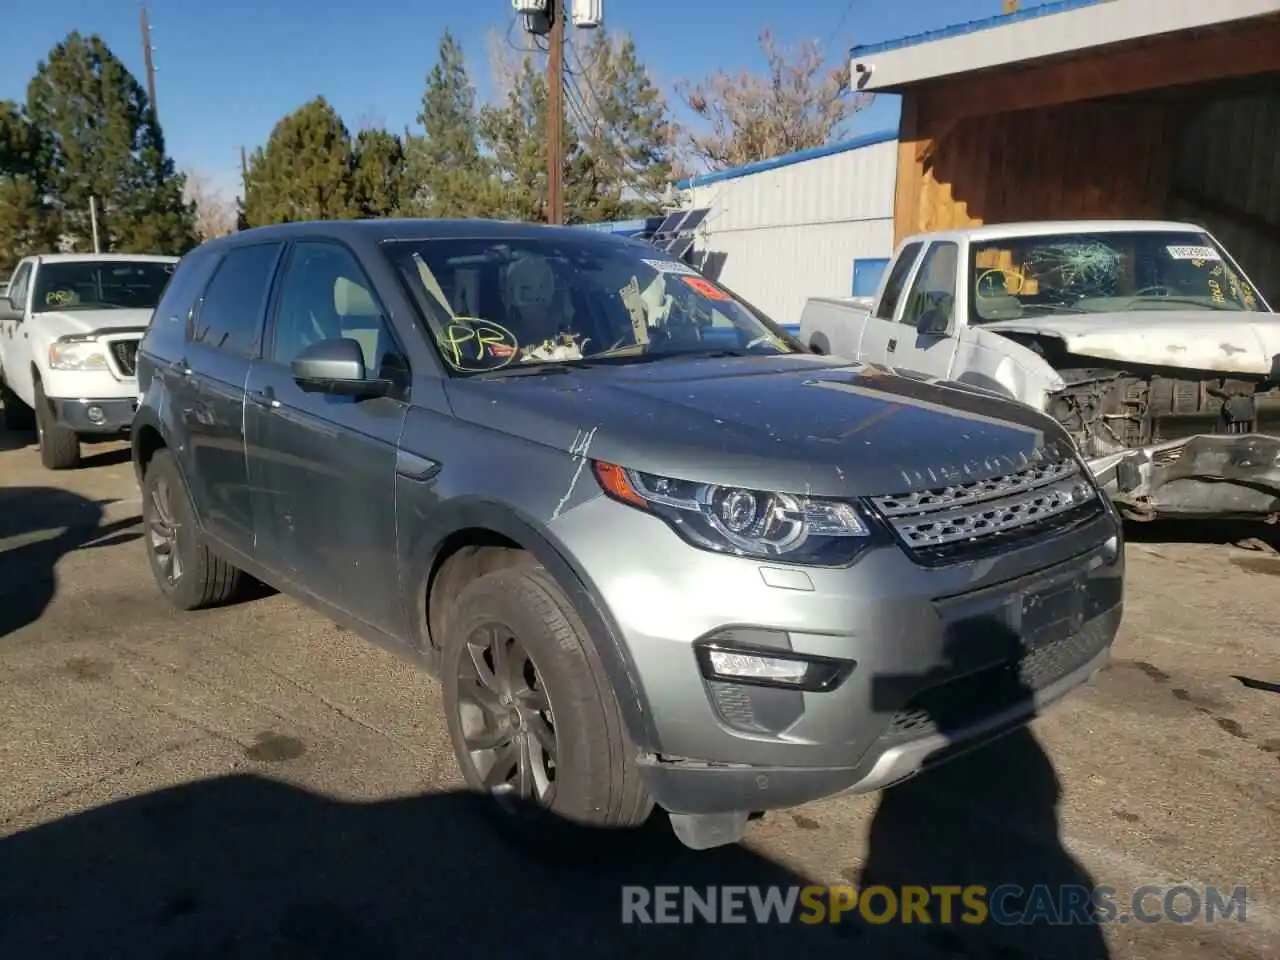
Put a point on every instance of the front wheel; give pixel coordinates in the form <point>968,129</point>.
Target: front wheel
<point>533,720</point>
<point>59,445</point>
<point>187,572</point>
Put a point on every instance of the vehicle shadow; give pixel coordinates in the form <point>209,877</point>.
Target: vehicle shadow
<point>16,439</point>
<point>987,819</point>
<point>105,458</point>
<point>1241,532</point>
<point>39,526</point>
<point>243,866</point>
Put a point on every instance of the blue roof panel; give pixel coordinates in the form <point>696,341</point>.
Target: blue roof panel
<point>973,26</point>
<point>787,159</point>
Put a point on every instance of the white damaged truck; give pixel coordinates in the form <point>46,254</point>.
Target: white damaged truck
<point>70,326</point>
<point>1145,339</point>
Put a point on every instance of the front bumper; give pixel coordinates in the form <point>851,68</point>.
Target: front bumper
<point>939,664</point>
<point>108,418</point>
<point>1211,475</point>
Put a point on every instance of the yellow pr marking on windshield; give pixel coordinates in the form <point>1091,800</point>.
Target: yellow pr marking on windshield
<point>491,341</point>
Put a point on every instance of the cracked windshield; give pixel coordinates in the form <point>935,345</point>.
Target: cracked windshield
<point>1016,277</point>
<point>495,304</point>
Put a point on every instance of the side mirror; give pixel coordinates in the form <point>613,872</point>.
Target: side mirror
<point>12,307</point>
<point>336,367</point>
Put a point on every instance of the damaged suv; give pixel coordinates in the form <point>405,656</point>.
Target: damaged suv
<point>656,551</point>
<point>1144,339</point>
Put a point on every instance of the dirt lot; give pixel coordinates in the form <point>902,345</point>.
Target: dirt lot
<point>254,782</point>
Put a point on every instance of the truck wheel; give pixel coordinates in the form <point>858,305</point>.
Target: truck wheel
<point>18,417</point>
<point>188,573</point>
<point>59,445</point>
<point>533,719</point>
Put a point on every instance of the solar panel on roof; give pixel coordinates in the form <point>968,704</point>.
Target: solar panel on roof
<point>669,224</point>
<point>680,246</point>
<point>694,219</point>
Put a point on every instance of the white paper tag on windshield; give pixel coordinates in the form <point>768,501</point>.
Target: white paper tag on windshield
<point>673,266</point>
<point>1193,253</point>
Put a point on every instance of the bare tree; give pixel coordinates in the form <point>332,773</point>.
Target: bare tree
<point>797,103</point>
<point>215,214</point>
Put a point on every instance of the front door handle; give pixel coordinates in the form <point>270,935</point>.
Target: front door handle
<point>180,368</point>
<point>264,398</point>
<point>893,345</point>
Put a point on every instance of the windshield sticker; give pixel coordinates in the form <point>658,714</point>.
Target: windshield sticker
<point>471,345</point>
<point>704,288</point>
<point>59,297</point>
<point>634,302</point>
<point>672,266</point>
<point>1193,253</point>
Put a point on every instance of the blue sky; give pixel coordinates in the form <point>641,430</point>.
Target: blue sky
<point>228,70</point>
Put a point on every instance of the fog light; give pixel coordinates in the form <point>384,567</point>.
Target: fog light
<point>95,414</point>
<point>770,668</point>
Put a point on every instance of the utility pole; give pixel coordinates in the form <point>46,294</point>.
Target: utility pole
<point>145,26</point>
<point>555,113</point>
<point>1010,6</point>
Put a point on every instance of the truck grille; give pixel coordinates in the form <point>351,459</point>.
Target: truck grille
<point>125,354</point>
<point>957,522</point>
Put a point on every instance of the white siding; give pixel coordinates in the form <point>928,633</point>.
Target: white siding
<point>793,232</point>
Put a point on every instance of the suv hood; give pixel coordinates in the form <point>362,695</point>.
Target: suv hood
<point>797,423</point>
<point>1192,339</point>
<point>62,323</point>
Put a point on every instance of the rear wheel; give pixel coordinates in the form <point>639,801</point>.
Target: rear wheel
<point>533,720</point>
<point>190,574</point>
<point>59,445</point>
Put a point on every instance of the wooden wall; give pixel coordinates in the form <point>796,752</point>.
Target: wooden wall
<point>1094,159</point>
<point>1045,141</point>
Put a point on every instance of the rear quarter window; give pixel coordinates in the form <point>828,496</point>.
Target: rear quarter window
<point>167,333</point>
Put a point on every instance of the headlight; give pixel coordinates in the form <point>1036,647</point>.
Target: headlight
<point>76,355</point>
<point>748,523</point>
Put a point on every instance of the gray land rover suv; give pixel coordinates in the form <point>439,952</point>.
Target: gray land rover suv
<point>656,552</point>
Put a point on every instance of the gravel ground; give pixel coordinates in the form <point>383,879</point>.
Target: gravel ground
<point>255,782</point>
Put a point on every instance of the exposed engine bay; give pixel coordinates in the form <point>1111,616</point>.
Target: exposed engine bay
<point>1112,411</point>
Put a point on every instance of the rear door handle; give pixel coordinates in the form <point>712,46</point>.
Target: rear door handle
<point>180,368</point>
<point>893,345</point>
<point>264,398</point>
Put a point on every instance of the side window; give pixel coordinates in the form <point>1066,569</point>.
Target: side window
<point>935,286</point>
<point>172,316</point>
<point>230,314</point>
<point>325,295</point>
<point>897,279</point>
<point>18,285</point>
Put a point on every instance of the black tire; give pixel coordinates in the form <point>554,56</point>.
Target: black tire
<point>59,445</point>
<point>18,417</point>
<point>204,579</point>
<point>597,783</point>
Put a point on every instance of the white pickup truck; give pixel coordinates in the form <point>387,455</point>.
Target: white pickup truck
<point>1145,339</point>
<point>69,332</point>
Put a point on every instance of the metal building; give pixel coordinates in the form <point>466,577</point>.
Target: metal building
<point>813,223</point>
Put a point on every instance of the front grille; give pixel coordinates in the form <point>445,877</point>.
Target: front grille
<point>960,521</point>
<point>125,354</point>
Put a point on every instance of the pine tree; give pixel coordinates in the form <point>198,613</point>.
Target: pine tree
<point>103,141</point>
<point>305,172</point>
<point>27,222</point>
<point>449,175</point>
<point>623,123</point>
<point>379,175</point>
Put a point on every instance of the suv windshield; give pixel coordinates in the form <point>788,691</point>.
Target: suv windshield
<point>100,285</point>
<point>1014,277</point>
<point>496,302</point>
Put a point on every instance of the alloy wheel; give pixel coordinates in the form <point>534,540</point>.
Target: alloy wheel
<point>162,532</point>
<point>506,720</point>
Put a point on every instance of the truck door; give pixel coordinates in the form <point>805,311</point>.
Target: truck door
<point>881,325</point>
<point>15,337</point>
<point>933,294</point>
